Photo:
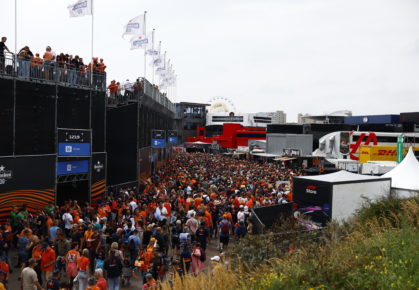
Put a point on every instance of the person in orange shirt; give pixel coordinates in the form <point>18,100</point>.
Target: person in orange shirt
<point>88,234</point>
<point>36,63</point>
<point>4,267</point>
<point>168,207</point>
<point>92,284</point>
<point>198,201</point>
<point>82,264</point>
<point>71,263</point>
<point>102,66</point>
<point>47,261</point>
<point>113,90</point>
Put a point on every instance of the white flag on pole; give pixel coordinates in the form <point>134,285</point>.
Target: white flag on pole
<point>157,60</point>
<point>135,26</point>
<point>139,41</point>
<point>80,8</point>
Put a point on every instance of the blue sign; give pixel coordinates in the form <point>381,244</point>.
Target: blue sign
<point>72,167</point>
<point>172,139</point>
<point>73,149</point>
<point>159,143</point>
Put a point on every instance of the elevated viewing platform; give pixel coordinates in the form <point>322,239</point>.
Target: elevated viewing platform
<point>142,91</point>
<point>50,73</point>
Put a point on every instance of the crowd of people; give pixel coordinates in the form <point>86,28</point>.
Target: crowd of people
<point>61,67</point>
<point>160,230</point>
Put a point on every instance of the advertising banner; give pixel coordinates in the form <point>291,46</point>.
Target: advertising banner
<point>98,181</point>
<point>73,149</point>
<point>158,138</point>
<point>72,167</point>
<point>28,180</point>
<point>74,142</point>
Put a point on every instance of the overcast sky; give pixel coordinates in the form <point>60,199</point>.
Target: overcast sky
<point>308,56</point>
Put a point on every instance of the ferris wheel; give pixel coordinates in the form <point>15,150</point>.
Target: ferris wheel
<point>221,105</point>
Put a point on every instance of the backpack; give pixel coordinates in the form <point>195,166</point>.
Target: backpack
<point>225,228</point>
<point>100,264</point>
<point>203,256</point>
<point>127,233</point>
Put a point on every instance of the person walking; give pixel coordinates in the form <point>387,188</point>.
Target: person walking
<point>113,266</point>
<point>29,280</point>
<point>82,265</point>
<point>197,264</point>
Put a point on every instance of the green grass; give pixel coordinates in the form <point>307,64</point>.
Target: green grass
<point>378,249</point>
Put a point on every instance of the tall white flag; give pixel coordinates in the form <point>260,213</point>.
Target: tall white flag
<point>80,8</point>
<point>139,41</point>
<point>135,26</point>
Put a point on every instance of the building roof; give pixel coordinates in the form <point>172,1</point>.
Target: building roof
<point>340,176</point>
<point>193,104</point>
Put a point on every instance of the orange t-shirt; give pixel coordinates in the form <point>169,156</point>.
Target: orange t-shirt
<point>4,267</point>
<point>48,256</point>
<point>198,201</point>
<point>48,56</point>
<point>83,263</point>
<point>72,256</point>
<point>113,88</point>
<point>37,252</point>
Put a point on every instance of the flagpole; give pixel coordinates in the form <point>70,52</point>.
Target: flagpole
<point>91,59</point>
<point>15,27</point>
<point>152,48</point>
<point>145,49</point>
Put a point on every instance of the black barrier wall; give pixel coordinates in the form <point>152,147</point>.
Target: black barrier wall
<point>35,118</point>
<point>30,112</point>
<point>121,135</point>
<point>6,117</point>
<point>98,121</point>
<point>73,108</point>
<point>128,133</point>
<point>268,216</point>
<point>26,180</point>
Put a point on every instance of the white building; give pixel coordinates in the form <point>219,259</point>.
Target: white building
<point>279,117</point>
<point>245,119</point>
<point>335,117</point>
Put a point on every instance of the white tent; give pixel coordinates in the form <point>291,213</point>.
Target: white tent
<point>338,194</point>
<point>405,177</point>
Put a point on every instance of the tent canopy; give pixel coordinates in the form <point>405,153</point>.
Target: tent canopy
<point>340,176</point>
<point>406,174</point>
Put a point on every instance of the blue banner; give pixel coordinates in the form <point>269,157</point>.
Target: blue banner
<point>172,140</point>
<point>73,149</point>
<point>72,167</point>
<point>158,143</point>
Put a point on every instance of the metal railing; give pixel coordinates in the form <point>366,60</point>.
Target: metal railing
<point>37,69</point>
<point>147,89</point>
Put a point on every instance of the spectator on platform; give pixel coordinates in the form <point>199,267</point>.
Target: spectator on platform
<point>24,58</point>
<point>113,90</point>
<point>3,47</point>
<point>48,58</point>
<point>128,87</point>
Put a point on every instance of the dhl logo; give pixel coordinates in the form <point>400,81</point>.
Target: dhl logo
<point>370,138</point>
<point>383,152</point>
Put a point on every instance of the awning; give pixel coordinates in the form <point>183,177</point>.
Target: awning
<point>285,158</point>
<point>262,154</point>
